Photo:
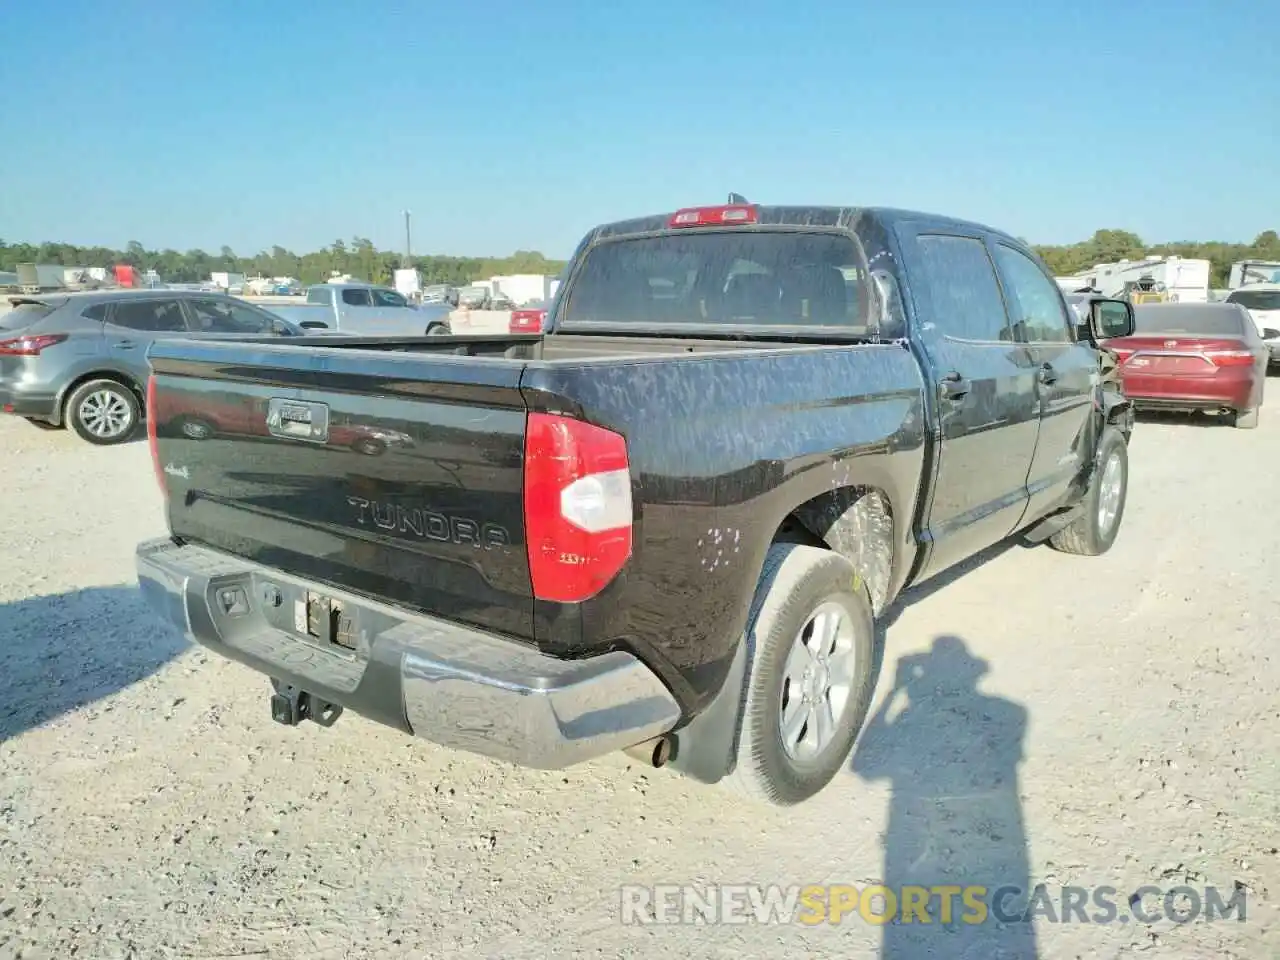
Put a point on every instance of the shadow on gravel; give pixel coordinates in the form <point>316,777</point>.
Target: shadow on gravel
<point>951,755</point>
<point>61,652</point>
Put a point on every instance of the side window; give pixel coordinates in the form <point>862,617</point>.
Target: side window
<point>97,312</point>
<point>149,316</point>
<point>319,295</point>
<point>388,298</point>
<point>1034,302</point>
<point>965,292</point>
<point>220,316</point>
<point>355,297</point>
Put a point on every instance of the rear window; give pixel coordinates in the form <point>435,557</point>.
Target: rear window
<point>1214,321</point>
<point>318,295</point>
<point>23,315</point>
<point>732,278</point>
<point>1256,299</point>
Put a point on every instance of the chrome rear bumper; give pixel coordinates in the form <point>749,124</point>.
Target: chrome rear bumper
<point>448,683</point>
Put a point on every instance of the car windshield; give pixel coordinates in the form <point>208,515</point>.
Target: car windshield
<point>748,278</point>
<point>1207,319</point>
<point>1256,299</point>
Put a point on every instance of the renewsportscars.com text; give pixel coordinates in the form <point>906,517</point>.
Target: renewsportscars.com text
<point>943,904</point>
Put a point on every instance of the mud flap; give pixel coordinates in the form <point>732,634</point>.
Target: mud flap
<point>706,749</point>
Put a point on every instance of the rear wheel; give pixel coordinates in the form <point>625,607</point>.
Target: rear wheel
<point>437,330</point>
<point>1246,419</point>
<point>1094,531</point>
<point>104,412</point>
<point>812,642</point>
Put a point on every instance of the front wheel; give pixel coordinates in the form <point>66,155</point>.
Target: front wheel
<point>103,412</point>
<point>812,642</point>
<point>1094,531</point>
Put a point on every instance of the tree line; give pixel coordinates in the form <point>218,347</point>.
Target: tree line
<point>1108,246</point>
<point>359,258</point>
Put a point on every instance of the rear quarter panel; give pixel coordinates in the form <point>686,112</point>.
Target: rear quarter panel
<point>722,449</point>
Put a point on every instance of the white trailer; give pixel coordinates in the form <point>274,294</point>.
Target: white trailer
<point>408,283</point>
<point>225,280</point>
<point>1186,280</point>
<point>1245,272</point>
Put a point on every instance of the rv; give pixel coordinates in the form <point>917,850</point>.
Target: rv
<point>1245,272</point>
<point>1176,279</point>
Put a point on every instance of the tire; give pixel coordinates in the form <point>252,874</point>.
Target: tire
<point>1246,419</point>
<point>799,581</point>
<point>438,330</point>
<point>120,412</point>
<point>1090,535</point>
<point>369,447</point>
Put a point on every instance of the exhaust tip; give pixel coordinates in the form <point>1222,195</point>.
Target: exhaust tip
<point>654,753</point>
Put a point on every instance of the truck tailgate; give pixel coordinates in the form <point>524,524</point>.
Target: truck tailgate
<point>395,475</point>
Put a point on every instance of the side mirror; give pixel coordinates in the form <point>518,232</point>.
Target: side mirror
<point>1109,319</point>
<point>1269,334</point>
<point>313,325</point>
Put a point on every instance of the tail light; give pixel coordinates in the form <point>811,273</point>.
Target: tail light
<point>713,216</point>
<point>577,507</point>
<point>526,321</point>
<point>29,346</point>
<point>153,441</point>
<point>1231,358</point>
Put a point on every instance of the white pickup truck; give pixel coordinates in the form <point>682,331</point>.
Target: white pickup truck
<point>365,309</point>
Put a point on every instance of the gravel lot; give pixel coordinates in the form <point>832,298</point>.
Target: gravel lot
<point>149,808</point>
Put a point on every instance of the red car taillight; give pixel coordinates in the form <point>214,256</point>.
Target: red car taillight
<point>29,346</point>
<point>526,321</point>
<point>1231,358</point>
<point>152,440</point>
<point>577,507</point>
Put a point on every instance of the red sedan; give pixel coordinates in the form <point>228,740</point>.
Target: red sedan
<point>1194,357</point>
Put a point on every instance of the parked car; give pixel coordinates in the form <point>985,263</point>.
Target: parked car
<point>527,320</point>
<point>474,298</point>
<point>1205,357</point>
<point>666,525</point>
<point>364,309</point>
<point>79,359</point>
<point>440,293</point>
<point>1262,300</point>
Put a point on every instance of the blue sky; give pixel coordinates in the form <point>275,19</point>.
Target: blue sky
<point>518,125</point>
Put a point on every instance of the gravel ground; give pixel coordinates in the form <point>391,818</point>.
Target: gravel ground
<point>1120,730</point>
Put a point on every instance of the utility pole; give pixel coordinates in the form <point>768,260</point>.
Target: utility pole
<point>408,245</point>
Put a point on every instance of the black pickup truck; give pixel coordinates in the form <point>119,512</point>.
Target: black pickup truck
<point>667,524</point>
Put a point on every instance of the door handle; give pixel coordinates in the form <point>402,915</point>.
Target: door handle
<point>125,344</point>
<point>955,387</point>
<point>1047,375</point>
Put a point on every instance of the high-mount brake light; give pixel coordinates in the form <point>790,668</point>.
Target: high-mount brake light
<point>714,216</point>
<point>577,507</point>
<point>29,346</point>
<point>153,441</point>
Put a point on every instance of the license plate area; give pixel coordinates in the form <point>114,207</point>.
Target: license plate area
<point>324,620</point>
